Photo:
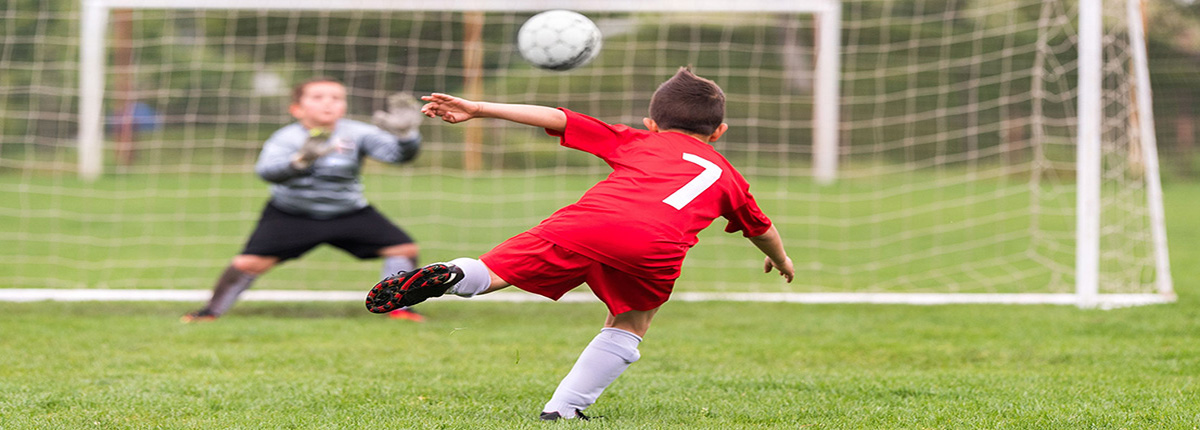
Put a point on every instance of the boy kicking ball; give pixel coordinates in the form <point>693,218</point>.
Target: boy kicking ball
<point>626,237</point>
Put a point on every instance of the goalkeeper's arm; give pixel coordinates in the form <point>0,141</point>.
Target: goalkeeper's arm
<point>391,149</point>
<point>400,123</point>
<point>280,161</point>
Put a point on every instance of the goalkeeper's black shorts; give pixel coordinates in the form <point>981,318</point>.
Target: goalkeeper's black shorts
<point>361,233</point>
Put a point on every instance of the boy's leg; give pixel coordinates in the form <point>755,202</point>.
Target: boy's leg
<point>604,359</point>
<point>236,278</point>
<point>398,258</point>
<point>477,278</point>
<point>434,280</point>
<point>278,236</point>
<point>553,271</point>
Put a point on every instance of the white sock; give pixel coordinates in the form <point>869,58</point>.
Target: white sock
<point>609,354</point>
<point>476,277</point>
<point>396,264</point>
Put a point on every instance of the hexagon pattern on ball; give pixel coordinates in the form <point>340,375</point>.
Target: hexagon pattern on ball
<point>559,40</point>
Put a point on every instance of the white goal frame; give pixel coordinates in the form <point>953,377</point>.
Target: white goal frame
<point>827,13</point>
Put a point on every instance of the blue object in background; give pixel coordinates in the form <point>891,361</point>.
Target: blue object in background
<point>144,118</point>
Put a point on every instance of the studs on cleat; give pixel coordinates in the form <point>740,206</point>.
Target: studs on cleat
<point>409,288</point>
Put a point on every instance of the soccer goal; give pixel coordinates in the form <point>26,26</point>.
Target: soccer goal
<point>910,152</point>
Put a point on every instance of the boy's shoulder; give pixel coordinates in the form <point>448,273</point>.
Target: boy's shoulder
<point>353,125</point>
<point>293,131</point>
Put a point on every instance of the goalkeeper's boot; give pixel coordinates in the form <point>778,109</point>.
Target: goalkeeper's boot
<point>409,314</point>
<point>405,289</point>
<point>555,416</point>
<point>203,315</point>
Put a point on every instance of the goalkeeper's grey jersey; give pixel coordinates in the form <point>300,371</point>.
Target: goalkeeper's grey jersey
<point>330,187</point>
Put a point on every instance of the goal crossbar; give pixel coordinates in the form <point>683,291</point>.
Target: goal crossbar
<point>759,6</point>
<point>828,14</point>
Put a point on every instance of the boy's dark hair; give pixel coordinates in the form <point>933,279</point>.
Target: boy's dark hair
<point>298,90</point>
<point>689,103</point>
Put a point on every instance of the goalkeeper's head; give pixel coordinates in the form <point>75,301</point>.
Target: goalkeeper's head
<point>318,102</point>
<point>689,103</point>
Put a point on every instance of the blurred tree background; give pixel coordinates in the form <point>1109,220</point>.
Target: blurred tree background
<point>1173,39</point>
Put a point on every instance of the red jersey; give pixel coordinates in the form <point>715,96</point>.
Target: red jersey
<point>665,187</point>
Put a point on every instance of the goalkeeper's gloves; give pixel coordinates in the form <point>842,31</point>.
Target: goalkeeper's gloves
<point>402,117</point>
<point>315,147</point>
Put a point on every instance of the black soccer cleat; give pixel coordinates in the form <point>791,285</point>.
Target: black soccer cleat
<point>203,315</point>
<point>409,288</point>
<point>555,416</point>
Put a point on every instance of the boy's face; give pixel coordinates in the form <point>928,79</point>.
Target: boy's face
<point>321,105</point>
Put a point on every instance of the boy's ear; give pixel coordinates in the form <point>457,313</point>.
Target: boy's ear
<point>717,134</point>
<point>650,125</point>
<point>294,109</point>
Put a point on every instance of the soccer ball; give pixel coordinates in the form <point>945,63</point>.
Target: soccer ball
<point>559,40</point>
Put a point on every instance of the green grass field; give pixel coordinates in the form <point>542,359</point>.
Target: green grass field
<point>704,365</point>
<point>709,365</point>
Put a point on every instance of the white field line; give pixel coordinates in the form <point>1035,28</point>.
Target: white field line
<point>1105,301</point>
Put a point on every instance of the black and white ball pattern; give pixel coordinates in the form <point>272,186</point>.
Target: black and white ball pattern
<point>559,40</point>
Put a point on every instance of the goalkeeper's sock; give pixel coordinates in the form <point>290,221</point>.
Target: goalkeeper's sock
<point>476,277</point>
<point>609,354</point>
<point>396,264</point>
<point>231,284</point>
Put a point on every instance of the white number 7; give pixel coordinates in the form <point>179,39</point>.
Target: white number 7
<point>697,185</point>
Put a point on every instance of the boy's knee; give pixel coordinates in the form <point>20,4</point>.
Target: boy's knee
<point>635,322</point>
<point>253,264</point>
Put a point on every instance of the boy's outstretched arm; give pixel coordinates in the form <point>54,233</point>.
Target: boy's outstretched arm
<point>771,244</point>
<point>455,110</point>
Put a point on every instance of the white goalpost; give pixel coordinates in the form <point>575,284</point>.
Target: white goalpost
<point>991,151</point>
<point>825,91</point>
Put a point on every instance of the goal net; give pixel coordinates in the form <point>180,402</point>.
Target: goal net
<point>923,151</point>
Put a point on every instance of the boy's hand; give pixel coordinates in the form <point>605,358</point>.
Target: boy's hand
<point>785,268</point>
<point>449,108</point>
<point>315,147</point>
<point>402,117</point>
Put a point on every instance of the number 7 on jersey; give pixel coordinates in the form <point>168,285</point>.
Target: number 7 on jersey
<point>697,185</point>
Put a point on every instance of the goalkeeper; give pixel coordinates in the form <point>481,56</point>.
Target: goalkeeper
<point>313,166</point>
<point>626,237</point>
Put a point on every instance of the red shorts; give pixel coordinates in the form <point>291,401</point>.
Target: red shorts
<point>538,266</point>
